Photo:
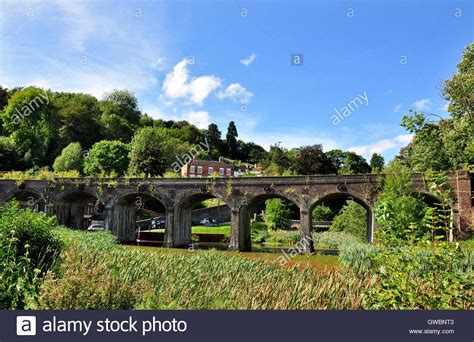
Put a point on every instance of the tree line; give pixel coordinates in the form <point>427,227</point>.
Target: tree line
<point>72,131</point>
<point>77,132</point>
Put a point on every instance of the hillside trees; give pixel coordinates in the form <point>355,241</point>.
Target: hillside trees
<point>107,157</point>
<point>70,159</point>
<point>120,115</point>
<point>445,143</point>
<point>31,120</point>
<point>152,151</point>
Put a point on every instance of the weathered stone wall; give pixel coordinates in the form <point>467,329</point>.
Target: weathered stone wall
<point>221,213</point>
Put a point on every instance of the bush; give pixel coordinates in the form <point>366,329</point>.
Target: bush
<point>422,277</point>
<point>27,247</point>
<point>398,209</point>
<point>352,219</point>
<point>19,281</point>
<point>70,159</point>
<point>107,157</point>
<point>277,215</point>
<point>259,232</point>
<point>34,232</point>
<point>322,213</point>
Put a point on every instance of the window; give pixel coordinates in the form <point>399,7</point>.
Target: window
<point>229,172</point>
<point>199,170</point>
<point>191,169</point>
<point>210,170</point>
<point>221,171</point>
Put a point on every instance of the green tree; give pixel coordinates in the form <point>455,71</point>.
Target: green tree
<point>277,215</point>
<point>352,219</point>
<point>70,159</point>
<point>213,137</point>
<point>4,96</point>
<point>277,161</point>
<point>459,89</point>
<point>79,116</point>
<point>354,163</point>
<point>31,120</point>
<point>312,161</point>
<point>152,151</point>
<point>120,115</point>
<point>107,157</point>
<point>399,212</point>
<point>322,213</point>
<point>377,162</point>
<point>9,157</point>
<point>445,143</point>
<point>231,140</point>
<point>336,157</point>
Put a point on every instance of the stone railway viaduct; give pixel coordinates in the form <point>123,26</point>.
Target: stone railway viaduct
<point>121,198</point>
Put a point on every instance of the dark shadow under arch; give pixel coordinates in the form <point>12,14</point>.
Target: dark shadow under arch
<point>79,209</point>
<point>136,211</point>
<point>29,199</point>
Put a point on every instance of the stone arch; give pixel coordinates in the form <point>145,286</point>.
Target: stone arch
<point>182,220</point>
<point>79,208</point>
<point>342,197</point>
<point>241,231</point>
<point>429,198</point>
<point>132,208</point>
<point>29,198</point>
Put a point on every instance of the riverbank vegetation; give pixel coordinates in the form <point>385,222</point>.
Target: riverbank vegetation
<point>80,270</point>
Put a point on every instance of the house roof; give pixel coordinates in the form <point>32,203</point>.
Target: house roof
<point>212,163</point>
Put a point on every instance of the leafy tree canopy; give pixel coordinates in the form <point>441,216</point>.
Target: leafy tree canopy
<point>107,157</point>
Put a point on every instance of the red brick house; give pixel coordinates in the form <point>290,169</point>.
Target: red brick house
<point>205,168</point>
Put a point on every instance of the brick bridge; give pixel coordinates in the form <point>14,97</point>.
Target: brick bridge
<point>118,200</point>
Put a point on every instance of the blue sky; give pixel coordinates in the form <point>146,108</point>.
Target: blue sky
<point>216,61</point>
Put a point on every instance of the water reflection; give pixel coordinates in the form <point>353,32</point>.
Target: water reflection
<point>256,247</point>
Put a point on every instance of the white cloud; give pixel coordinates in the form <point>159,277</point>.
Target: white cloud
<point>445,107</point>
<point>115,62</point>
<point>236,93</point>
<point>177,84</point>
<point>383,145</point>
<point>249,60</point>
<point>159,64</point>
<point>397,108</point>
<point>423,104</point>
<point>201,119</point>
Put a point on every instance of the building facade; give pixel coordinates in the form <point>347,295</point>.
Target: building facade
<point>205,168</point>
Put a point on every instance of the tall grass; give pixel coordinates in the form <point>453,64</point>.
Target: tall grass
<point>193,280</point>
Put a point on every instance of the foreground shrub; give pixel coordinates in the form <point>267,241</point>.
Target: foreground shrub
<point>358,256</point>
<point>19,281</point>
<point>352,219</point>
<point>27,247</point>
<point>422,277</point>
<point>34,234</point>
